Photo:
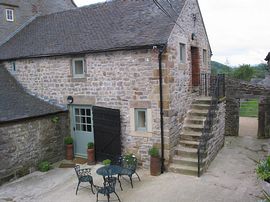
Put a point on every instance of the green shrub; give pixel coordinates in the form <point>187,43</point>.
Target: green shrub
<point>263,169</point>
<point>55,119</point>
<point>154,152</point>
<point>44,166</point>
<point>106,162</point>
<point>68,140</point>
<point>128,159</point>
<point>90,145</point>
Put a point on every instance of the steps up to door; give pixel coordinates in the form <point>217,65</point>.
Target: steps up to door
<point>185,160</point>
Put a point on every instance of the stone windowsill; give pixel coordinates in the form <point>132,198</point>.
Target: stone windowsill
<point>141,134</point>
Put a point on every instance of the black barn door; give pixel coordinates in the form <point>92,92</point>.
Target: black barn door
<point>107,132</point>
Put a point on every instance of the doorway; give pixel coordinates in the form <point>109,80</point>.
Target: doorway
<point>195,62</point>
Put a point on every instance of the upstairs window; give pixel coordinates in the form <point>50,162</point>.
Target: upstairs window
<point>182,53</point>
<point>78,68</point>
<point>204,57</point>
<point>13,66</point>
<point>10,15</point>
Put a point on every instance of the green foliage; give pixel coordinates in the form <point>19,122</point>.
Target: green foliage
<point>44,166</point>
<point>154,152</point>
<point>55,119</point>
<point>244,72</point>
<point>263,169</point>
<point>68,140</point>
<point>249,108</point>
<point>218,68</point>
<point>90,145</point>
<point>106,162</point>
<point>128,158</point>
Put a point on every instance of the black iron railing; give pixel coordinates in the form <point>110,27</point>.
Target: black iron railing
<point>213,86</point>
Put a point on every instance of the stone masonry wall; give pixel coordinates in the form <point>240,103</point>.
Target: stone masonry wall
<point>25,143</point>
<point>218,135</point>
<point>178,75</point>
<point>119,80</point>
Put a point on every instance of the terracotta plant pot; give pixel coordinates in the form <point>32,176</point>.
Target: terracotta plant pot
<point>69,151</point>
<point>91,156</point>
<point>155,166</point>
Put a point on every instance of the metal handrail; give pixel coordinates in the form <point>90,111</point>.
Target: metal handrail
<point>216,90</point>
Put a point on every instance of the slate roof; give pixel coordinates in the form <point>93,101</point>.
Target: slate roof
<point>114,25</point>
<point>16,104</point>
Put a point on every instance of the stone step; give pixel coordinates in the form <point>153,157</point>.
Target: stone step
<point>195,120</point>
<point>189,143</point>
<point>193,127</point>
<point>198,112</point>
<point>187,161</point>
<point>183,169</point>
<point>186,152</point>
<point>203,100</point>
<point>200,106</point>
<point>190,135</point>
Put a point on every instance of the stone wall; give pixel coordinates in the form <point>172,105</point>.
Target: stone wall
<point>25,143</point>
<point>218,135</point>
<point>236,89</point>
<point>178,75</point>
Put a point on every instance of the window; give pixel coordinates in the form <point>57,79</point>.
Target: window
<point>10,15</point>
<point>141,119</point>
<point>204,57</point>
<point>83,119</point>
<point>13,66</point>
<point>78,68</point>
<point>182,53</point>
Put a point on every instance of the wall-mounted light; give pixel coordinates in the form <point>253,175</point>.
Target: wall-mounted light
<point>70,99</point>
<point>193,36</point>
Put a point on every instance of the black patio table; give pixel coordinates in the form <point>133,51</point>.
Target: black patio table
<point>109,171</point>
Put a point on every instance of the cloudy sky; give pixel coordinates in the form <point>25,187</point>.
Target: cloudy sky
<point>238,30</point>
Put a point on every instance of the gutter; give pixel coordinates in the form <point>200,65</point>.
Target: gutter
<point>160,51</point>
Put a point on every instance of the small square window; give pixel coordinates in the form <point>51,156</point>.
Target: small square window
<point>204,57</point>
<point>10,15</point>
<point>182,53</point>
<point>78,68</point>
<point>141,119</point>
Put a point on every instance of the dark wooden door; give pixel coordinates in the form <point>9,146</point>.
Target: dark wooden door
<point>195,60</point>
<point>107,133</point>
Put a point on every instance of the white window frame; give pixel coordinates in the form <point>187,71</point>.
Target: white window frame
<point>182,55</point>
<point>204,56</point>
<point>73,68</point>
<point>10,15</point>
<point>136,118</point>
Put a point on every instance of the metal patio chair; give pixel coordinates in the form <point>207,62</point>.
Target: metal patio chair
<point>129,165</point>
<point>84,175</point>
<point>108,188</point>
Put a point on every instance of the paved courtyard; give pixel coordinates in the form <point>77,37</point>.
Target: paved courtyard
<point>230,178</point>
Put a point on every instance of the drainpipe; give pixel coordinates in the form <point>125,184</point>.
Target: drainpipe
<point>160,51</point>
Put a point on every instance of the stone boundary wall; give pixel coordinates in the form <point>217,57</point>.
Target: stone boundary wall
<point>218,135</point>
<point>25,143</point>
<point>236,89</point>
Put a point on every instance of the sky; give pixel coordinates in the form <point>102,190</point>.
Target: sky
<point>238,30</point>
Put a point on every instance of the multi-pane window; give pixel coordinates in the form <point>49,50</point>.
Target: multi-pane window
<point>182,53</point>
<point>204,57</point>
<point>141,119</point>
<point>83,119</point>
<point>78,68</point>
<point>10,15</point>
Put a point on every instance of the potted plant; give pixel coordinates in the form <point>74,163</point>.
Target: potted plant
<point>263,172</point>
<point>69,147</point>
<point>155,165</point>
<point>91,153</point>
<point>106,162</point>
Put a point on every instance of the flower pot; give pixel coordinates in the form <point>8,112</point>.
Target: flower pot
<point>91,156</point>
<point>155,166</point>
<point>69,151</point>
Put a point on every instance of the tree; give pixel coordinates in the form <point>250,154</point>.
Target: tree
<point>244,72</point>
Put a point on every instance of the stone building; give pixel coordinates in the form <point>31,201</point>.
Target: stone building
<point>123,55</point>
<point>31,130</point>
<point>16,14</point>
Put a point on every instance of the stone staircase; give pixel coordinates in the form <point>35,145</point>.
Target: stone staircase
<point>185,160</point>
